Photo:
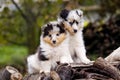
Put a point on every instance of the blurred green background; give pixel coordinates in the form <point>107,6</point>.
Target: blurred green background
<point>21,21</point>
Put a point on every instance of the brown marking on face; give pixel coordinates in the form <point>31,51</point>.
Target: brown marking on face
<point>70,19</point>
<point>59,39</point>
<point>69,28</point>
<point>47,39</point>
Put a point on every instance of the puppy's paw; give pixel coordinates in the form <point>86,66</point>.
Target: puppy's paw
<point>41,72</point>
<point>65,59</point>
<point>86,61</point>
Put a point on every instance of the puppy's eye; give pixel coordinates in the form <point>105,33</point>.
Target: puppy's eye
<point>57,34</point>
<point>80,15</point>
<point>49,35</point>
<point>70,23</point>
<point>76,22</point>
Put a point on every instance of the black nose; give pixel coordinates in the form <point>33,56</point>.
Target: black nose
<point>75,31</point>
<point>54,41</point>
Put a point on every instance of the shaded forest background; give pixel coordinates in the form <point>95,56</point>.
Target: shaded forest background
<point>21,21</point>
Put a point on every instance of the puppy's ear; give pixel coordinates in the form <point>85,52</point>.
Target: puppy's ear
<point>46,28</point>
<point>64,13</point>
<point>61,27</point>
<point>43,28</point>
<point>49,25</point>
<point>79,13</point>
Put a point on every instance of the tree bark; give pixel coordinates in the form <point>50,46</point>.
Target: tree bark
<point>106,66</point>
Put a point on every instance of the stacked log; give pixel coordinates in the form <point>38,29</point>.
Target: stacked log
<point>98,70</point>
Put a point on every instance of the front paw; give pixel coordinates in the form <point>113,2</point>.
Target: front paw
<point>86,61</point>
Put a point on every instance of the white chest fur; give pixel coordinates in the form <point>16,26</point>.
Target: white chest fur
<point>76,41</point>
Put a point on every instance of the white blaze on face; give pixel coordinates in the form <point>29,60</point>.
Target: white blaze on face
<point>56,29</point>
<point>75,26</point>
<point>54,36</point>
<point>76,15</point>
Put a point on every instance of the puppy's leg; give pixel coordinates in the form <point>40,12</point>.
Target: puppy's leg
<point>81,54</point>
<point>30,65</point>
<point>31,69</point>
<point>66,58</point>
<point>46,66</point>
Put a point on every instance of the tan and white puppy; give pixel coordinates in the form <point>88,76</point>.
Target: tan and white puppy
<point>53,47</point>
<point>73,22</point>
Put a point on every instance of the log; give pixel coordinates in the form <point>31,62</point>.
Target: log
<point>81,65</point>
<point>54,75</point>
<point>42,76</point>
<point>113,72</point>
<point>34,76</point>
<point>10,73</point>
<point>64,71</point>
<point>91,73</point>
<point>98,70</point>
<point>114,56</point>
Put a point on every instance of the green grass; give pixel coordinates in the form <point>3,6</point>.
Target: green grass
<point>11,54</point>
<point>93,56</point>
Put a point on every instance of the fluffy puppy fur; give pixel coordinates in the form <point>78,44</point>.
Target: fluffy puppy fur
<point>73,22</point>
<point>53,48</point>
<point>114,56</point>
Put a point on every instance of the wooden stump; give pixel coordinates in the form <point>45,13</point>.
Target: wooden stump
<point>10,73</point>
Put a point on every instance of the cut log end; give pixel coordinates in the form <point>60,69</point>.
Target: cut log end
<point>54,75</point>
<point>10,73</point>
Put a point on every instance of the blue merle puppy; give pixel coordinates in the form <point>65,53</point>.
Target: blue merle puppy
<point>54,47</point>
